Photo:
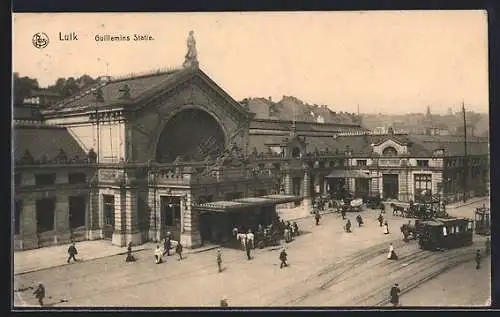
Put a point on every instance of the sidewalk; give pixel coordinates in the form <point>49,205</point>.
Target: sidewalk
<point>49,257</point>
<point>474,200</point>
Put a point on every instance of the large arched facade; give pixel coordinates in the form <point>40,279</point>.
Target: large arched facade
<point>190,135</point>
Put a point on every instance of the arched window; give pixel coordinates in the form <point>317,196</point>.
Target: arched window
<point>389,151</point>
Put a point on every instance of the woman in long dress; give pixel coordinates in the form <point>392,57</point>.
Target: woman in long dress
<point>386,228</point>
<point>392,254</point>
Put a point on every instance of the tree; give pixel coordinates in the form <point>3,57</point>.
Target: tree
<point>23,87</point>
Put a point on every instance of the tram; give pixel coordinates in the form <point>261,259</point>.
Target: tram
<point>440,233</point>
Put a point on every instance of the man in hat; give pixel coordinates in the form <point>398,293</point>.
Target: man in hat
<point>380,220</point>
<point>40,293</point>
<point>167,245</point>
<point>247,249</point>
<point>317,216</point>
<point>72,252</point>
<point>219,260</point>
<point>478,259</point>
<point>178,250</point>
<point>395,291</point>
<point>348,226</point>
<point>283,258</point>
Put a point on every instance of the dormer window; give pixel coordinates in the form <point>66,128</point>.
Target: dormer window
<point>389,151</point>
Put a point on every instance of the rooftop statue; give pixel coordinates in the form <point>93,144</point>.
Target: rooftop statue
<point>191,59</point>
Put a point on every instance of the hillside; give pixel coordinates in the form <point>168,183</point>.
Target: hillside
<point>291,108</point>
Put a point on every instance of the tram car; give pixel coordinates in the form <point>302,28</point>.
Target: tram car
<point>441,234</point>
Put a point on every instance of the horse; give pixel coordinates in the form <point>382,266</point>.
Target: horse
<point>408,229</point>
<point>397,210</point>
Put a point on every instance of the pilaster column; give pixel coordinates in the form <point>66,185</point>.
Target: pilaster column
<point>133,234</point>
<point>306,189</point>
<point>120,219</point>
<point>154,214</point>
<point>28,224</point>
<point>63,234</point>
<point>190,232</point>
<point>288,183</point>
<point>93,215</point>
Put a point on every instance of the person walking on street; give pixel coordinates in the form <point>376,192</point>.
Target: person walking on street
<point>130,257</point>
<point>247,249</point>
<point>342,212</point>
<point>219,260</point>
<point>317,217</point>
<point>250,239</point>
<point>167,246</point>
<point>283,258</point>
<point>380,220</point>
<point>178,250</point>
<point>40,294</point>
<point>392,254</point>
<point>359,220</point>
<point>348,226</point>
<point>386,228</point>
<point>72,251</point>
<point>478,259</point>
<point>487,246</point>
<point>395,291</point>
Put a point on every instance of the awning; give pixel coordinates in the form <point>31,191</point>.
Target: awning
<point>243,203</point>
<point>349,174</point>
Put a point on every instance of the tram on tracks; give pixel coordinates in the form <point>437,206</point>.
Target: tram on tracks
<point>441,233</point>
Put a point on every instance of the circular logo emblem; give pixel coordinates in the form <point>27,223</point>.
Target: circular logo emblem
<point>40,40</point>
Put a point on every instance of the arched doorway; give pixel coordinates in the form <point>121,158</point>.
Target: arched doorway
<point>192,135</point>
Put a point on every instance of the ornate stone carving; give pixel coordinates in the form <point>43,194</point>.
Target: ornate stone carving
<point>191,58</point>
<point>125,92</point>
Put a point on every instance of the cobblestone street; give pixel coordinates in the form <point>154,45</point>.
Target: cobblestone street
<point>328,267</point>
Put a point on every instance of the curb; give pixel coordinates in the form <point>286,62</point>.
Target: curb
<point>64,264</point>
<point>468,203</point>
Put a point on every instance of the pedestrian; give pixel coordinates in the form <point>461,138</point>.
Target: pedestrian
<point>40,293</point>
<point>342,212</point>
<point>167,246</point>
<point>178,250</point>
<point>382,208</point>
<point>130,257</point>
<point>359,220</point>
<point>250,239</point>
<point>296,228</point>
<point>395,291</point>
<point>247,249</point>
<point>72,251</point>
<point>386,228</point>
<point>487,245</point>
<point>158,254</point>
<point>478,259</point>
<point>348,226</point>
<point>223,302</point>
<point>283,258</point>
<point>380,219</point>
<point>219,260</point>
<point>392,254</point>
<point>317,217</point>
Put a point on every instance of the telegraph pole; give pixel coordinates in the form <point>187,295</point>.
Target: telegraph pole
<point>465,158</point>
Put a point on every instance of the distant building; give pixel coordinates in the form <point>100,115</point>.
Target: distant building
<point>42,98</point>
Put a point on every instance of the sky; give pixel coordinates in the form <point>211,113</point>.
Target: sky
<point>385,62</point>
